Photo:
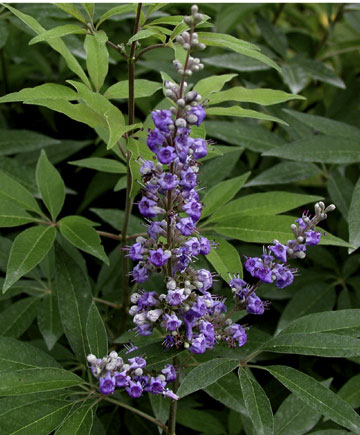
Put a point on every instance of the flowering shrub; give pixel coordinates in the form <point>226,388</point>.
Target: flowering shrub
<point>170,311</point>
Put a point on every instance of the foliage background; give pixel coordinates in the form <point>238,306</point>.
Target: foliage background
<point>317,47</point>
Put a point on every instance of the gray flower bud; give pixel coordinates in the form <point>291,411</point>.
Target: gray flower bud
<point>113,354</point>
<point>91,358</point>
<point>188,72</point>
<point>192,119</point>
<point>330,207</point>
<point>187,20</point>
<point>201,46</point>
<point>180,102</point>
<point>180,123</point>
<point>194,9</point>
<point>180,39</point>
<point>186,46</point>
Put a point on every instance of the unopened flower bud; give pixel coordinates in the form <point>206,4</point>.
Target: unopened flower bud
<point>187,20</point>
<point>194,9</point>
<point>188,72</point>
<point>126,367</point>
<point>180,102</point>
<point>171,284</point>
<point>192,119</point>
<point>300,254</point>
<point>173,110</point>
<point>111,366</point>
<point>113,354</point>
<point>135,297</point>
<point>300,239</point>
<point>162,378</point>
<point>201,46</point>
<point>186,46</point>
<point>180,39</point>
<point>186,345</point>
<point>174,333</point>
<point>91,358</point>
<point>138,372</point>
<point>180,123</point>
<point>329,208</point>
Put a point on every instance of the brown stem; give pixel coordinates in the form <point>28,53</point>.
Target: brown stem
<point>118,49</point>
<point>173,404</point>
<point>110,304</point>
<point>129,202</point>
<point>146,49</point>
<point>137,411</point>
<point>109,235</point>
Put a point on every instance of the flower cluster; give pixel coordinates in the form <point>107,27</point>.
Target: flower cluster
<point>133,376</point>
<point>271,266</point>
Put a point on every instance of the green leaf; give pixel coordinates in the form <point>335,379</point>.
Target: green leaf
<point>227,391</point>
<point>56,43</point>
<point>96,333</point>
<point>143,88</point>
<point>341,190</point>
<point>326,125</point>
<point>12,216</point>
<point>58,32</point>
<point>322,148</point>
<point>267,203</point>
<point>243,133</point>
<point>160,406</point>
<point>273,35</point>
<point>200,421</point>
<point>312,298</point>
<point>257,404</point>
<point>295,77</point>
<point>36,380</point>
<point>97,57</point>
<point>33,414</point>
<point>294,417</point>
<point>264,229</point>
<point>16,355</point>
<point>342,322</point>
<point>326,345</point>
<point>222,193</point>
<point>101,164</point>
<point>51,185</point>
<point>226,259</point>
<point>242,113</point>
<point>79,422</point>
<point>237,45</point>
<point>27,250</point>
<point>115,218</point>
<point>319,71</point>
<point>48,318</point>
<point>13,191</point>
<point>285,173</point>
<point>205,375</point>
<point>82,235</point>
<point>209,85</point>
<point>235,62</point>
<point>71,10</point>
<point>31,139</point>
<point>23,141</point>
<point>317,396</point>
<point>350,391</point>
<point>17,318</point>
<point>354,218</point>
<point>265,97</point>
<point>142,34</point>
<point>117,10</point>
<point>74,298</point>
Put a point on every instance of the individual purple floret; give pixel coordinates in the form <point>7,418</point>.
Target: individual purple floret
<point>140,273</point>
<point>186,226</point>
<point>198,114</point>
<point>166,155</point>
<point>312,237</point>
<point>158,258</point>
<point>134,389</point>
<point>172,322</point>
<point>155,140</point>
<point>279,250</point>
<point>255,305</point>
<point>198,344</point>
<point>169,372</point>
<point>162,119</point>
<point>107,384</point>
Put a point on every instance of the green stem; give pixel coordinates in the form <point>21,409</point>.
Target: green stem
<point>129,202</point>
<point>146,49</point>
<point>173,404</point>
<point>137,411</point>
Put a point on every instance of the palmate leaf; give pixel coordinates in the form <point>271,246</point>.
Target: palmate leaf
<point>205,375</point>
<point>257,404</point>
<point>317,396</point>
<point>27,250</point>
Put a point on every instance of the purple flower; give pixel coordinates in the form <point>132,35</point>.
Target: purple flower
<point>302,225</point>
<point>162,119</point>
<point>156,228</point>
<point>140,273</point>
<point>192,246</point>
<point>238,333</point>
<point>264,274</point>
<point>147,167</point>
<point>200,149</point>
<point>186,226</point>
<point>255,305</point>
<point>166,155</point>
<point>107,384</point>
<point>279,250</point>
<point>148,299</point>
<point>134,389</point>
<point>136,252</point>
<point>199,112</point>
<point>137,363</point>
<point>188,178</point>
<point>155,139</point>
<point>198,309</point>
<point>172,322</point>
<point>169,372</point>
<point>205,277</point>
<point>251,264</point>
<point>284,276</point>
<point>145,329</point>
<point>121,379</point>
<point>170,394</point>
<point>238,284</point>
<point>158,258</point>
<point>198,344</point>
<point>182,145</point>
<point>204,246</point>
<point>156,386</point>
<point>193,209</point>
<point>175,297</point>
<point>148,207</point>
<point>312,237</point>
<point>168,181</point>
<point>207,329</point>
